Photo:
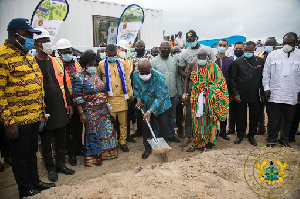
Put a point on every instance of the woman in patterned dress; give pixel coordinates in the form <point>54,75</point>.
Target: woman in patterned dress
<point>209,100</point>
<point>89,94</point>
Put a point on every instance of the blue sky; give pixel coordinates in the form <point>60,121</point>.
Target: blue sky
<point>255,19</point>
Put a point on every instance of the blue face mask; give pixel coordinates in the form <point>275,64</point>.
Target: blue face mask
<point>238,53</point>
<point>248,55</point>
<point>269,49</point>
<point>221,50</point>
<point>102,56</point>
<point>193,44</point>
<point>91,69</point>
<point>67,57</point>
<point>112,59</point>
<point>29,43</point>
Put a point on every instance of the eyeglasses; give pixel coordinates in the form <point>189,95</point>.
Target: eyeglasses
<point>144,73</point>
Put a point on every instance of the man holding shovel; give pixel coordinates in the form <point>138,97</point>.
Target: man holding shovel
<point>151,92</point>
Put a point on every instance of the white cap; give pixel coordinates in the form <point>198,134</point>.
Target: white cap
<point>123,43</point>
<point>44,34</point>
<point>63,44</point>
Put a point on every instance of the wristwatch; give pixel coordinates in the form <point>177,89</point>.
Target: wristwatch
<point>149,112</point>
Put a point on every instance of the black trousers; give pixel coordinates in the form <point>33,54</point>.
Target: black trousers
<point>261,116</point>
<point>163,127</point>
<point>139,121</point>
<point>223,125</point>
<point>74,134</point>
<point>295,123</point>
<point>130,116</point>
<point>4,146</point>
<point>241,109</point>
<point>59,136</point>
<point>280,117</point>
<point>179,118</point>
<point>23,157</point>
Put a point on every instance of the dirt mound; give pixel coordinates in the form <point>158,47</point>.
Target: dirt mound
<point>211,174</point>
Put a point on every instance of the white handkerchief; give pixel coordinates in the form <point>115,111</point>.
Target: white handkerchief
<point>201,100</point>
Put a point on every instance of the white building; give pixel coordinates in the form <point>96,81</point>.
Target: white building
<point>80,25</point>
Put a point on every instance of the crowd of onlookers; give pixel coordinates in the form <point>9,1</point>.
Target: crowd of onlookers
<point>193,90</point>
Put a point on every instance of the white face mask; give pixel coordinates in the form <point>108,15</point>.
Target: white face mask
<point>47,48</point>
<point>122,54</point>
<point>145,77</point>
<point>287,48</point>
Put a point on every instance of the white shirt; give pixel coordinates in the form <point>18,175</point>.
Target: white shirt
<point>281,75</point>
<point>180,42</point>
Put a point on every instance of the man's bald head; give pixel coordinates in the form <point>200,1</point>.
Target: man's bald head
<point>144,65</point>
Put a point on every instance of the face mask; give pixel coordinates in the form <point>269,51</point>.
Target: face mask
<point>238,53</point>
<point>67,57</point>
<point>112,59</point>
<point>248,55</point>
<point>33,52</point>
<point>145,77</point>
<point>193,44</point>
<point>268,49</point>
<point>122,54</point>
<point>287,48</point>
<point>202,62</point>
<point>102,55</point>
<point>221,50</point>
<point>140,51</point>
<point>165,53</point>
<point>29,43</point>
<point>47,48</point>
<point>91,69</point>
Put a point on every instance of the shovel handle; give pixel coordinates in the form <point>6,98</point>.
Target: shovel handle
<point>148,123</point>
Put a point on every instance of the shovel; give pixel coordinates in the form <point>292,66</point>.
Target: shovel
<point>157,144</point>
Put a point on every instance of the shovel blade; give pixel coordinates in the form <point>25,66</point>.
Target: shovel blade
<point>161,143</point>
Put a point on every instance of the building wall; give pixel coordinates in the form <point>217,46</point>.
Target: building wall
<point>78,27</point>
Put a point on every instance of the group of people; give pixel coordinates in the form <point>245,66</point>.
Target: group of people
<point>55,97</point>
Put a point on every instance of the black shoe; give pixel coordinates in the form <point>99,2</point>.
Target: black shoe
<point>65,170</point>
<point>72,160</point>
<point>147,152</point>
<point>238,140</point>
<point>298,133</point>
<point>231,131</point>
<point>30,192</point>
<point>292,140</point>
<point>284,144</point>
<point>252,141</point>
<point>52,175</point>
<point>174,139</point>
<point>43,186</point>
<point>7,160</point>
<point>270,145</point>
<point>209,145</point>
<point>1,168</point>
<point>224,136</point>
<point>245,135</point>
<point>136,134</point>
<point>130,139</point>
<point>124,148</point>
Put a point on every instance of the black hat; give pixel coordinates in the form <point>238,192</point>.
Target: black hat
<point>21,24</point>
<point>191,34</point>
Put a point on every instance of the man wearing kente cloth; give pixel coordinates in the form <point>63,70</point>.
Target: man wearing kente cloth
<point>209,99</point>
<point>113,72</point>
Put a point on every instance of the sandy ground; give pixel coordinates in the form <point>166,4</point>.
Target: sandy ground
<point>216,173</point>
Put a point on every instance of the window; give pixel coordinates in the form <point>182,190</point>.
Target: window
<point>105,30</point>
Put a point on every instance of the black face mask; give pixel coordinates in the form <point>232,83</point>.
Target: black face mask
<point>238,53</point>
<point>165,53</point>
<point>140,52</point>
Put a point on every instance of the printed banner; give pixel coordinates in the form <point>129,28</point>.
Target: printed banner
<point>49,14</point>
<point>130,23</point>
<point>112,33</point>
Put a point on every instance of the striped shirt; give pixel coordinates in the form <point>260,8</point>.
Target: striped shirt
<point>21,91</point>
<point>153,93</point>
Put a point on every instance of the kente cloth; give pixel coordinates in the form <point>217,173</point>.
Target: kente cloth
<point>216,106</point>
